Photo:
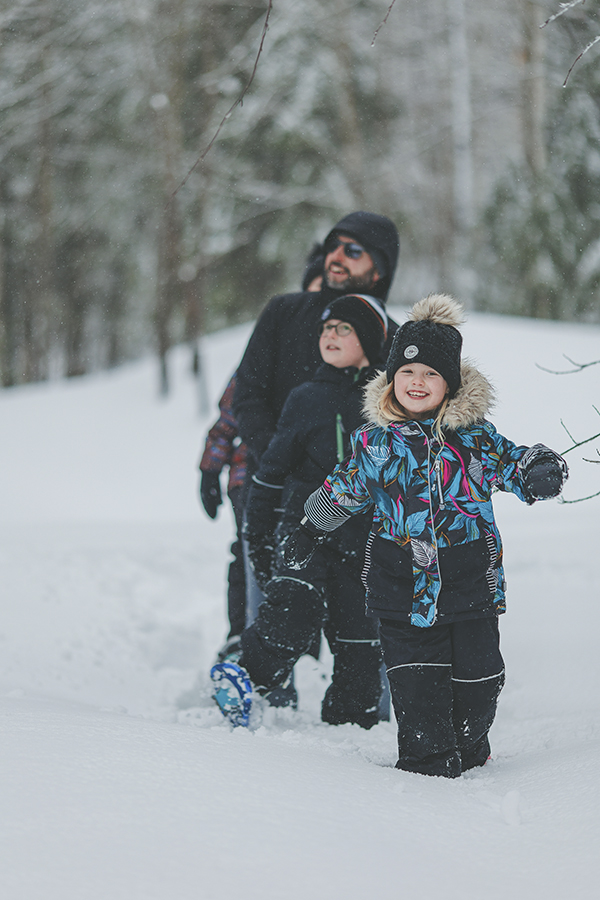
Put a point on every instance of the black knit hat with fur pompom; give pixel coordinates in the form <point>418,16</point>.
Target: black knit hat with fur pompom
<point>430,337</point>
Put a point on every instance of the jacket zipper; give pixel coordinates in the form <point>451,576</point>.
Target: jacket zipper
<point>438,474</point>
<point>339,437</point>
<point>436,467</point>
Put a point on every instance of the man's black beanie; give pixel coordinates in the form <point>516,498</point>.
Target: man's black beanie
<point>379,236</point>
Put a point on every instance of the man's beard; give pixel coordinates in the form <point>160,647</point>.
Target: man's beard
<point>357,283</point>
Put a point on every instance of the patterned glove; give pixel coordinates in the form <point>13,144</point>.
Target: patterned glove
<point>210,493</point>
<point>297,548</point>
<point>543,473</point>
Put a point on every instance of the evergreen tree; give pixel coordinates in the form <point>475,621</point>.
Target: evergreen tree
<point>115,238</point>
<point>542,228</point>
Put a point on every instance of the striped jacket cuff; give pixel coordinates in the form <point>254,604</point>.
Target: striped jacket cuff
<point>322,513</point>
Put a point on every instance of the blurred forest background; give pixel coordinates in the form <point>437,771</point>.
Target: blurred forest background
<point>453,122</point>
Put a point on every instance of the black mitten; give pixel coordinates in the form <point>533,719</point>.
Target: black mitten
<point>298,547</point>
<point>210,493</point>
<point>261,516</point>
<point>543,473</point>
<point>261,556</point>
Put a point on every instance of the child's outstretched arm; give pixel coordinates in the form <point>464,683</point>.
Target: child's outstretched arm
<point>532,473</point>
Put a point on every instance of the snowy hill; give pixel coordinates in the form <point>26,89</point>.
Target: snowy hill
<point>119,777</point>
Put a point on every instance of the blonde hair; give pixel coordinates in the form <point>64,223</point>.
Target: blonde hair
<point>391,411</point>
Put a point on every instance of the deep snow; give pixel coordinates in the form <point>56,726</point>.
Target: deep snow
<point>118,776</point>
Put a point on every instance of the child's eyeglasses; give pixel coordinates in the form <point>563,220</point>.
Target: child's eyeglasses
<point>342,328</point>
<point>351,249</point>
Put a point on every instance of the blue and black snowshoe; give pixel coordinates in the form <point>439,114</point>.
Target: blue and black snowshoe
<point>233,692</point>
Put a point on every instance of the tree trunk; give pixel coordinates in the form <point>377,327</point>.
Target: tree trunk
<point>534,88</point>
<point>38,294</point>
<point>193,291</point>
<point>534,143</point>
<point>463,201</point>
<point>351,144</point>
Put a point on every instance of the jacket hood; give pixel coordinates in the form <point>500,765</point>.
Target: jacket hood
<point>472,402</point>
<point>379,236</point>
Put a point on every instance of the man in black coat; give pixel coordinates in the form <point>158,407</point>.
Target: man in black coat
<point>361,253</point>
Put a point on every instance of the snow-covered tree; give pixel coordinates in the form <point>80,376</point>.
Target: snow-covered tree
<point>135,212</point>
<point>543,225</point>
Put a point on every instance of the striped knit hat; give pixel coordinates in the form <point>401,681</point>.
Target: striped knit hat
<point>368,318</point>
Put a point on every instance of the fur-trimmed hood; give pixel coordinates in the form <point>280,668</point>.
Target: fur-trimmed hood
<point>472,403</point>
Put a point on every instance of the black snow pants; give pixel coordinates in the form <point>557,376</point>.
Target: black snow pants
<point>327,596</point>
<point>445,682</point>
<point>236,577</point>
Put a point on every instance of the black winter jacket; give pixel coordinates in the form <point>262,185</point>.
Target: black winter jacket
<point>313,435</point>
<point>282,353</point>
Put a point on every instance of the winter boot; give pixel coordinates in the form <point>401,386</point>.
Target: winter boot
<point>285,628</point>
<point>231,650</point>
<point>474,711</point>
<point>422,698</point>
<point>285,695</point>
<point>233,692</point>
<point>354,694</point>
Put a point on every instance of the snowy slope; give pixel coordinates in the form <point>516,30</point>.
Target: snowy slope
<point>118,777</point>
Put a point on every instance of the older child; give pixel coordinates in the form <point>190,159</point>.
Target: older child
<point>428,463</point>
<point>313,434</point>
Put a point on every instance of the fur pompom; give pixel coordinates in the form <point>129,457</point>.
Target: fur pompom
<point>440,308</point>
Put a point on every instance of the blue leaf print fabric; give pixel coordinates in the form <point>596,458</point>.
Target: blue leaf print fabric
<point>429,496</point>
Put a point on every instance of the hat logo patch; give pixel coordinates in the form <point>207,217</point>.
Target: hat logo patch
<point>325,314</point>
<point>411,351</point>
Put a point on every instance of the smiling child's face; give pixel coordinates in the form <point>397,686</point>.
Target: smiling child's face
<point>341,350</point>
<point>419,389</point>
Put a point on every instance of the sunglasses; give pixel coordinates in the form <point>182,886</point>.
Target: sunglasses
<point>351,249</point>
<point>342,328</point>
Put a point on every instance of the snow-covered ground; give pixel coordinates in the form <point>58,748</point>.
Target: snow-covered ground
<point>118,777</point>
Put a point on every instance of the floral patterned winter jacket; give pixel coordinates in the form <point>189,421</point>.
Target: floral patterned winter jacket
<point>434,553</point>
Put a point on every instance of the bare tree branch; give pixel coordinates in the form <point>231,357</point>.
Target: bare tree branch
<point>583,52</point>
<point>579,367</point>
<point>380,26</point>
<point>568,432</point>
<point>579,499</point>
<point>234,105</point>
<point>595,462</point>
<point>564,7</point>
<point>580,443</point>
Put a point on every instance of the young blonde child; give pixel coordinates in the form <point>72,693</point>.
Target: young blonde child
<point>428,462</point>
